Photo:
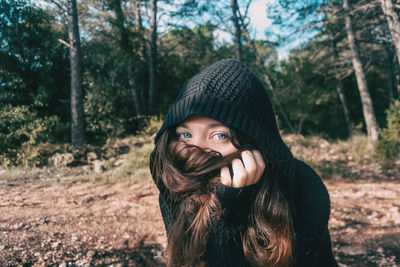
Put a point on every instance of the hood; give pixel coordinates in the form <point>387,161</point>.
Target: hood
<point>229,92</point>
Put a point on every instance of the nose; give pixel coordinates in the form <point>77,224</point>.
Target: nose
<point>198,141</point>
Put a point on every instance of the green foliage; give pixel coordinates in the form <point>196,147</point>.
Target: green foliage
<point>308,98</point>
<point>108,101</point>
<point>33,72</point>
<point>22,129</point>
<point>22,126</point>
<point>103,117</point>
<point>186,51</point>
<point>388,149</point>
<point>33,65</point>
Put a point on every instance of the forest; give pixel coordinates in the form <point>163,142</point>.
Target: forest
<point>84,72</point>
<point>85,85</point>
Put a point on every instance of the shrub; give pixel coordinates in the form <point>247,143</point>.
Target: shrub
<point>22,127</point>
<point>38,154</point>
<point>388,149</point>
<point>108,112</point>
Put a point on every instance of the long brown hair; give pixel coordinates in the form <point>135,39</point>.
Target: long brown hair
<point>190,175</point>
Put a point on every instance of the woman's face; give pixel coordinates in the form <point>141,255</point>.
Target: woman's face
<point>206,133</point>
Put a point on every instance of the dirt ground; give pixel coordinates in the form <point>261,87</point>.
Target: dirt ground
<point>94,224</point>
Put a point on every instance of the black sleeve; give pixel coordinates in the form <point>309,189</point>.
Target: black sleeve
<point>311,215</point>
<point>236,202</point>
<point>326,257</point>
<point>315,254</point>
<point>224,244</point>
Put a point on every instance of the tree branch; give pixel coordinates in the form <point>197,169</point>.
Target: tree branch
<point>64,43</point>
<point>60,6</point>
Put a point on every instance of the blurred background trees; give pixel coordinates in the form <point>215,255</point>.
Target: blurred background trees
<point>136,54</point>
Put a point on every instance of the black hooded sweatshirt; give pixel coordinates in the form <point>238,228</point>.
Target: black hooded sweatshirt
<point>230,93</point>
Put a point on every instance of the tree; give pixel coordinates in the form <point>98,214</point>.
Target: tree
<point>183,53</point>
<point>153,55</point>
<point>32,63</point>
<point>368,111</point>
<point>389,67</point>
<point>339,86</point>
<point>34,68</point>
<point>333,33</point>
<point>126,43</point>
<point>393,21</point>
<point>265,74</point>
<point>77,127</point>
<point>238,32</point>
<point>320,19</point>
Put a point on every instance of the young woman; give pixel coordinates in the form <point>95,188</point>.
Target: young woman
<point>231,193</point>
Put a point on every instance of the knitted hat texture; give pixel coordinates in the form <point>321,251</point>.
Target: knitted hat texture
<point>229,92</point>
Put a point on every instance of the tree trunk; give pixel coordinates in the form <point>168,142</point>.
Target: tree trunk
<point>127,48</point>
<point>368,111</point>
<point>140,29</point>
<point>135,97</point>
<point>300,127</point>
<point>393,23</point>
<point>397,72</point>
<point>339,87</point>
<point>300,108</point>
<point>389,67</point>
<point>299,88</point>
<point>153,55</point>
<point>266,77</point>
<point>339,90</point>
<point>398,81</point>
<point>77,128</point>
<point>236,24</point>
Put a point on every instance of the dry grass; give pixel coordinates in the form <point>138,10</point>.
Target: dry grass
<point>123,160</point>
<point>132,167</point>
<point>23,175</point>
<point>350,159</point>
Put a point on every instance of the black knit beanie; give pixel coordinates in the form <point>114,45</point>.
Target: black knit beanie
<point>230,93</point>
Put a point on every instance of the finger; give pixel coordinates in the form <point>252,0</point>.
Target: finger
<point>260,164</point>
<point>226,177</point>
<point>239,173</point>
<point>250,165</point>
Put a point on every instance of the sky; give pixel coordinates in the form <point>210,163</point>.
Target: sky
<point>258,17</point>
<point>259,23</point>
<point>258,20</point>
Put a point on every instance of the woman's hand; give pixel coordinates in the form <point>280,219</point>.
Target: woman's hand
<point>246,171</point>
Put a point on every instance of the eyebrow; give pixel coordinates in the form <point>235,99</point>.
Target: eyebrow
<point>212,125</point>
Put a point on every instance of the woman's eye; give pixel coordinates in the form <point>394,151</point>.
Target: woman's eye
<point>184,135</point>
<point>220,136</point>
